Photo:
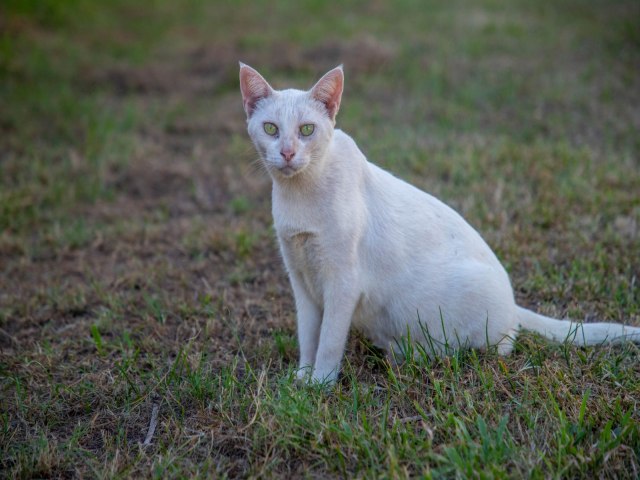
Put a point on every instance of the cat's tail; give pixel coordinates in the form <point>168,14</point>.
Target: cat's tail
<point>576,332</point>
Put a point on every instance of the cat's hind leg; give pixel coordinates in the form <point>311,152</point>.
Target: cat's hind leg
<point>480,311</point>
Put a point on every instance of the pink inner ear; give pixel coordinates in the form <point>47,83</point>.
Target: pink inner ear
<point>328,90</point>
<point>253,87</point>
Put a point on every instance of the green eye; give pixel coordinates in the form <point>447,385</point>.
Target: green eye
<point>307,129</point>
<point>270,128</point>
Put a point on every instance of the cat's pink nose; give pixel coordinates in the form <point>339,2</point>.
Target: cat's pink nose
<point>287,154</point>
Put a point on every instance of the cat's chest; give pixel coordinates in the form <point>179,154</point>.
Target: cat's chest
<point>304,259</point>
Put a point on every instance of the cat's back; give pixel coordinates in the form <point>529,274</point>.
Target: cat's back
<point>400,217</point>
<point>409,218</point>
<point>389,199</point>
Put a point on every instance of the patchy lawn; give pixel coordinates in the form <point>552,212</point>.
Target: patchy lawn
<point>139,270</point>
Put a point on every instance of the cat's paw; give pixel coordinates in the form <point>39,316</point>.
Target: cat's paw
<point>308,376</point>
<point>324,379</point>
<point>303,374</point>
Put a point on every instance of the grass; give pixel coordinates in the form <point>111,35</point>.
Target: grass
<point>139,271</point>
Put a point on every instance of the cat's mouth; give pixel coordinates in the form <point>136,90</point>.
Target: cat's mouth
<point>288,170</point>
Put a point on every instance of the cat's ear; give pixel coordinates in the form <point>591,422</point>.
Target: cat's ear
<point>328,90</point>
<point>253,87</point>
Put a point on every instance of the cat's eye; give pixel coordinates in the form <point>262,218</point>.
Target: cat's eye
<point>307,129</point>
<point>270,128</point>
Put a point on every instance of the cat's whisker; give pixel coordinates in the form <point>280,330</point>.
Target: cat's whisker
<point>255,167</point>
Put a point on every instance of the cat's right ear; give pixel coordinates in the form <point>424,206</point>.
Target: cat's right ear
<point>253,87</point>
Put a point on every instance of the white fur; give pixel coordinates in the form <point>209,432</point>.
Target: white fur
<point>367,249</point>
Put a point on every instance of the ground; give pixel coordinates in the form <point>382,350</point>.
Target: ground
<point>139,270</point>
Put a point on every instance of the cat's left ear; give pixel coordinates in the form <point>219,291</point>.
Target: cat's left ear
<point>253,87</point>
<point>328,90</point>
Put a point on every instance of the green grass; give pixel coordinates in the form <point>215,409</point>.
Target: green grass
<point>139,270</point>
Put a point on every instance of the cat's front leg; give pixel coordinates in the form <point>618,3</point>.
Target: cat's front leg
<point>340,303</point>
<point>308,316</point>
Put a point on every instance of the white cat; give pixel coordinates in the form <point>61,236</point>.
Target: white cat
<point>367,249</point>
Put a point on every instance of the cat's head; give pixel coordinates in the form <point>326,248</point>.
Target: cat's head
<point>291,129</point>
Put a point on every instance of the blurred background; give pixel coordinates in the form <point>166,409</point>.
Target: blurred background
<point>92,89</point>
<point>524,116</point>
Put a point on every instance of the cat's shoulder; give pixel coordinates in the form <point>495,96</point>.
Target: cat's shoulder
<point>342,136</point>
<point>344,142</point>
